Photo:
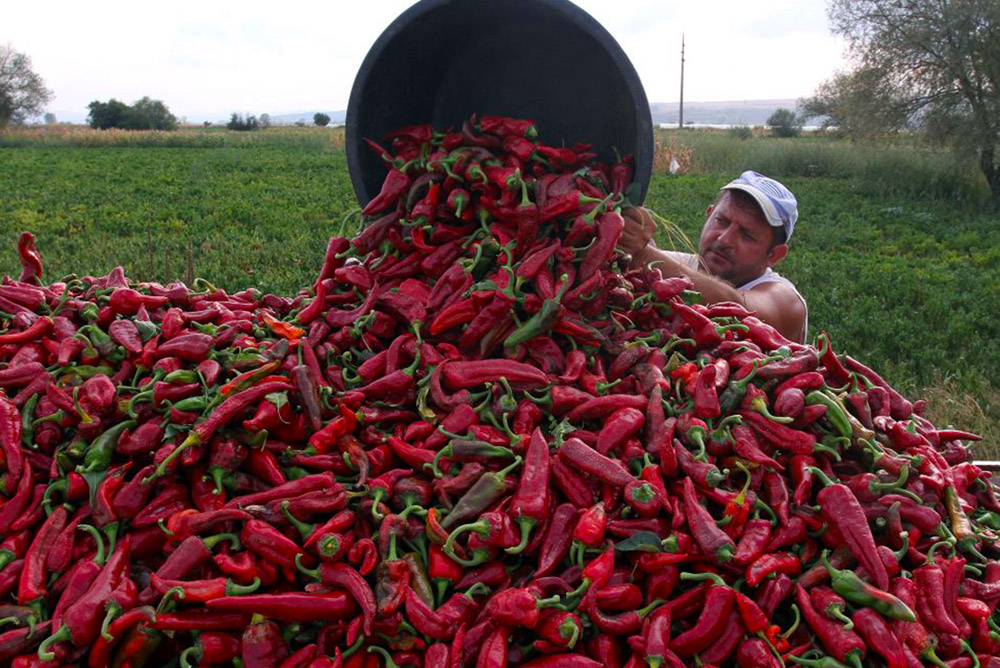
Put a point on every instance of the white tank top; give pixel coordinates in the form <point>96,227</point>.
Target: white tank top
<point>769,276</point>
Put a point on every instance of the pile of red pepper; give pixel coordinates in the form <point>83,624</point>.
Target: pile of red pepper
<point>473,441</point>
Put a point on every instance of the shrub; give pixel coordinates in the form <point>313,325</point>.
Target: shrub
<point>145,114</point>
<point>742,132</point>
<point>242,123</point>
<point>784,123</point>
<point>321,119</point>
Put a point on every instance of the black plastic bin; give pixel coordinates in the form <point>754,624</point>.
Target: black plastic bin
<point>547,60</point>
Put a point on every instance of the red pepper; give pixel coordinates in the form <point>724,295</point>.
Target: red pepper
<point>126,301</point>
<point>602,407</point>
<point>531,500</point>
<point>199,591</point>
<point>266,541</point>
<point>465,374</point>
<point>706,398</point>
<point>581,456</point>
<point>781,436</point>
<point>719,602</point>
<point>37,330</point>
<point>557,539</point>
<point>843,513</point>
<point>263,645</point>
<point>33,582</point>
<point>31,261</point>
<point>843,645</point>
<point>13,508</point>
<point>221,415</point>
<point>82,619</point>
<point>289,606</point>
<point>712,540</point>
<point>393,187</point>
<point>754,653</point>
<point>619,427</point>
<point>765,565</point>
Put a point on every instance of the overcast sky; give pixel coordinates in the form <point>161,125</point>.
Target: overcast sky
<point>208,59</point>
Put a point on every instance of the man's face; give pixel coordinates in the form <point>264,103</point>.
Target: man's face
<point>736,240</point>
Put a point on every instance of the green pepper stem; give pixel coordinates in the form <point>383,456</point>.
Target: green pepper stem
<point>185,663</point>
<point>823,477</point>
<point>212,541</point>
<point>168,596</point>
<point>62,635</point>
<point>98,539</point>
<point>930,553</point>
<point>525,524</point>
<point>795,625</point>
<point>311,572</point>
<point>701,577</point>
<point>233,589</point>
<point>838,615</point>
<point>644,612</point>
<point>114,609</point>
<point>760,505</point>
<point>476,589</point>
<point>304,528</point>
<point>389,663</point>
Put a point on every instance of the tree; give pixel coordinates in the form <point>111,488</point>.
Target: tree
<point>145,114</point>
<point>242,123</point>
<point>321,119</point>
<point>22,92</point>
<point>784,123</point>
<point>265,121</point>
<point>110,114</point>
<point>847,103</point>
<point>935,62</point>
<point>50,119</point>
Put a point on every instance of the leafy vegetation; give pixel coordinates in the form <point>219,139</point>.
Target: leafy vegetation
<point>145,114</point>
<point>242,123</point>
<point>920,63</point>
<point>907,284</point>
<point>22,92</point>
<point>784,123</point>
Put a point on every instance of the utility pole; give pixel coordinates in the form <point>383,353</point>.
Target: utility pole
<point>680,125</point>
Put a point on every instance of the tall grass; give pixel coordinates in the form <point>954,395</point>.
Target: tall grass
<point>905,167</point>
<point>77,136</point>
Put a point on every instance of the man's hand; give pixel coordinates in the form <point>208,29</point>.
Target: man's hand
<point>638,232</point>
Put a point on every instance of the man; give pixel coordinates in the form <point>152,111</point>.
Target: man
<point>745,235</point>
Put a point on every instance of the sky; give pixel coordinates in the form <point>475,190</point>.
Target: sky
<point>205,59</point>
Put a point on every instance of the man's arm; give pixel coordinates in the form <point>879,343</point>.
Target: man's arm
<point>774,303</point>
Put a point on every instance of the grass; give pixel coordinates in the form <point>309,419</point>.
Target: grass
<point>906,280</point>
<point>902,167</point>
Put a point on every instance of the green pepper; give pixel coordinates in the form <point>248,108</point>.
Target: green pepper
<point>733,395</point>
<point>857,591</point>
<point>541,322</point>
<point>99,454</point>
<point>835,412</point>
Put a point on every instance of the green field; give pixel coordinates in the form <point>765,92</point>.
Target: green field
<point>895,253</point>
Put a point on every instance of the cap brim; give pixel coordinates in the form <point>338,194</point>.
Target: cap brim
<point>766,206</point>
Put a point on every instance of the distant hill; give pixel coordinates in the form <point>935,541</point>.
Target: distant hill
<point>734,112</point>
<point>336,117</point>
<point>741,112</point>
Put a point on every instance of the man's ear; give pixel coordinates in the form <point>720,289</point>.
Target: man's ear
<point>708,210</point>
<point>776,254</point>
